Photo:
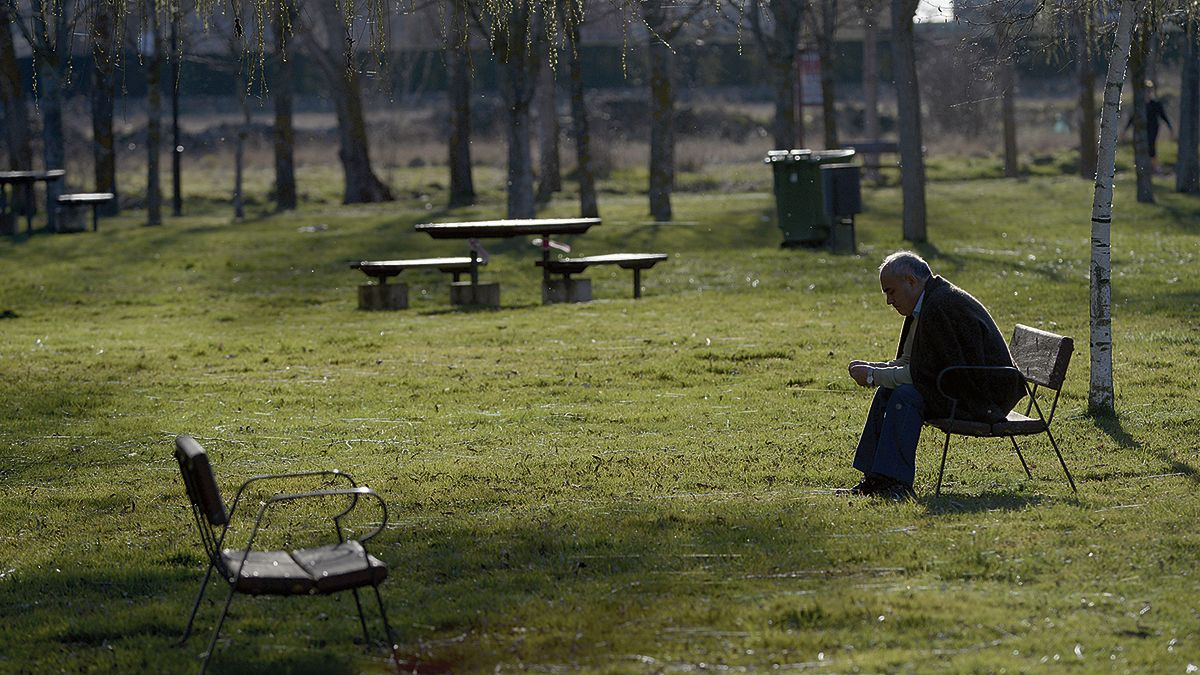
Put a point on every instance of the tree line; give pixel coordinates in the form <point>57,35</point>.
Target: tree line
<point>537,42</point>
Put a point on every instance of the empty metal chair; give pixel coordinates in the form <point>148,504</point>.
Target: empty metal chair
<point>341,566</point>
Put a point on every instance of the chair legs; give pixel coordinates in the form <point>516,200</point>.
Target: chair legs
<point>1020,456</point>
<point>361,618</point>
<point>187,632</point>
<point>945,448</point>
<point>387,630</point>
<point>1061,461</point>
<point>212,644</point>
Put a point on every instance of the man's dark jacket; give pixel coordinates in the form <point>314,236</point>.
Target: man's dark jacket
<point>956,330</point>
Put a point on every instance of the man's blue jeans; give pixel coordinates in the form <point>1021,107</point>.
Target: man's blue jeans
<point>888,445</point>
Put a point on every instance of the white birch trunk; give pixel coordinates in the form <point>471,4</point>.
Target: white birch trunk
<point>1100,390</point>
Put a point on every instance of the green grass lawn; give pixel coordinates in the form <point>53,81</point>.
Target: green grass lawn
<point>618,486</point>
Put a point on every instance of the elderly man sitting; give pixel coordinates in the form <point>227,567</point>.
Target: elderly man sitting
<point>943,326</point>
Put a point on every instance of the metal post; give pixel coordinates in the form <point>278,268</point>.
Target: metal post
<point>545,263</point>
<point>176,147</point>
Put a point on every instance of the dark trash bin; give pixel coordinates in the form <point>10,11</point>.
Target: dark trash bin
<point>799,193</point>
<point>841,186</point>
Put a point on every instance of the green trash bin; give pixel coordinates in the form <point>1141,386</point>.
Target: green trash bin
<point>799,200</point>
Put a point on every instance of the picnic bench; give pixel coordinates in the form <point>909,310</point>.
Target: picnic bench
<point>24,180</point>
<point>870,152</point>
<point>488,294</point>
<point>383,295</point>
<point>580,290</point>
<point>71,207</point>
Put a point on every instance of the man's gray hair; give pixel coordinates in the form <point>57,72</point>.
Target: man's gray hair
<point>906,262</point>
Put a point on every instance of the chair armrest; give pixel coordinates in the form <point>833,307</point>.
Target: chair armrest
<point>354,492</point>
<point>943,390</point>
<point>298,474</point>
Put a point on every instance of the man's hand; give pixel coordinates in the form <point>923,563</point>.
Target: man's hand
<point>859,370</point>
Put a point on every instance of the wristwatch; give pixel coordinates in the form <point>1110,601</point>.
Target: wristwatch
<point>870,377</point>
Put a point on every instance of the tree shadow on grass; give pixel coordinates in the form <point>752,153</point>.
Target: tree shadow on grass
<point>109,620</point>
<point>455,587</point>
<point>1111,425</point>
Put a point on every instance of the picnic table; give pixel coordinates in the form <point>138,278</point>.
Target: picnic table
<point>505,229</point>
<point>24,179</point>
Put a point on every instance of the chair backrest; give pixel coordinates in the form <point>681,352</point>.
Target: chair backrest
<point>198,477</point>
<point>1041,356</point>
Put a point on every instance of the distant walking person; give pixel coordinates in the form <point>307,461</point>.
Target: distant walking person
<point>1155,111</point>
<point>943,326</point>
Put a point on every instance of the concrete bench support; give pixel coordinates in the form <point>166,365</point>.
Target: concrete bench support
<point>71,207</point>
<point>374,297</point>
<point>566,290</point>
<point>382,295</point>
<point>563,290</point>
<point>462,293</point>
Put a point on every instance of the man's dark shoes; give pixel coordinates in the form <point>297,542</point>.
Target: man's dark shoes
<point>895,490</point>
<point>868,485</point>
<point>876,485</point>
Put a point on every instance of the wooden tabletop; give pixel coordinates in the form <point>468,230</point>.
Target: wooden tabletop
<point>498,229</point>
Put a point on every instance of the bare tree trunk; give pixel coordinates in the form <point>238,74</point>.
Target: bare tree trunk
<point>662,112</point>
<point>154,122</point>
<point>104,53</point>
<point>52,55</point>
<point>1143,166</point>
<point>798,97</point>
<point>550,172</point>
<point>16,117</point>
<point>825,46</point>
<point>1087,99</point>
<point>338,63</point>
<point>1187,165</point>
<point>908,104</point>
<point>776,28</point>
<point>458,53</point>
<point>518,87</point>
<point>870,77</point>
<point>519,66</point>
<point>284,135</point>
<point>783,126</point>
<point>239,152</point>
<point>176,138</point>
<point>1008,114</point>
<point>588,207</point>
<point>1100,389</point>
<point>362,186</point>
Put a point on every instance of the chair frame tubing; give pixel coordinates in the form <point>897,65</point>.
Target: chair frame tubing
<point>1031,406</point>
<point>213,543</point>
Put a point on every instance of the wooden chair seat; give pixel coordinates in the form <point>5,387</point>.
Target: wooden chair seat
<point>1016,424</point>
<point>265,573</point>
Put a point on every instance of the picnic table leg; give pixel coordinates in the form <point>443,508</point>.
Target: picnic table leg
<point>474,270</point>
<point>637,283</point>
<point>545,264</point>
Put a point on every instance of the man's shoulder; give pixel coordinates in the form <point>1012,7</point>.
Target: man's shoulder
<point>941,296</point>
